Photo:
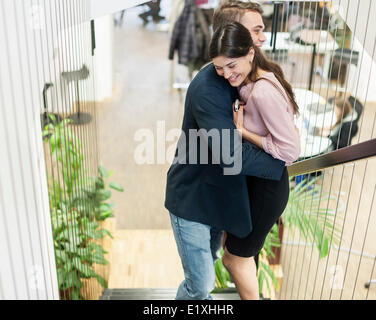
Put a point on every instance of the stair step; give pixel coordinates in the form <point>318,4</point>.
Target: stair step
<point>157,294</point>
<point>140,290</point>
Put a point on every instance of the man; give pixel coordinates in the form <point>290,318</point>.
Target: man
<point>247,13</point>
<point>202,201</point>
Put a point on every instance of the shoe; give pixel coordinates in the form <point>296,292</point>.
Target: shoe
<point>144,18</point>
<point>157,19</point>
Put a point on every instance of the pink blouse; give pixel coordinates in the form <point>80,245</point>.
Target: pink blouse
<point>268,113</point>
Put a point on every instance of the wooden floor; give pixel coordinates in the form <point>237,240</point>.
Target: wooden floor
<point>145,259</point>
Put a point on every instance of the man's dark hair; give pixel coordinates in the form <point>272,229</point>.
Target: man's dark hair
<point>232,10</point>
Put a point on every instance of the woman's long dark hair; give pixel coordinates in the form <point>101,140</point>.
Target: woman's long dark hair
<point>233,40</point>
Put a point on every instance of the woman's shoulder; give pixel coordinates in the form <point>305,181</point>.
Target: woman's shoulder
<point>245,91</point>
<point>266,86</point>
<point>267,79</point>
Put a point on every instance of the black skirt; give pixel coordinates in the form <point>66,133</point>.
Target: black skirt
<point>268,200</point>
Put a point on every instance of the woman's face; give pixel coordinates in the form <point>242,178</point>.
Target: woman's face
<point>235,70</point>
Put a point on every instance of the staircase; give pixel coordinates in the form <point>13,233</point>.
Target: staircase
<point>158,294</point>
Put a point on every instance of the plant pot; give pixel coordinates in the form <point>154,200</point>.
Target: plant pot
<point>66,294</point>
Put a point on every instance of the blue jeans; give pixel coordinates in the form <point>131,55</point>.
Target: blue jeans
<point>198,245</point>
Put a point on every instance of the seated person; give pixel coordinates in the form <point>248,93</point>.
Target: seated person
<point>345,127</point>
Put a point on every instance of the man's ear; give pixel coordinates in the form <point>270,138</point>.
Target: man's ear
<point>251,54</point>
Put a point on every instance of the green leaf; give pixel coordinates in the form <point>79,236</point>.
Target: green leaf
<point>83,253</point>
<point>53,143</point>
<point>101,233</point>
<point>52,117</point>
<point>90,234</point>
<point>84,269</point>
<point>221,273</point>
<point>115,186</point>
<point>68,266</point>
<point>324,248</point>
<point>98,258</point>
<point>76,294</point>
<point>99,183</point>
<point>101,280</point>
<point>71,280</point>
<point>271,274</point>
<point>60,255</point>
<point>60,277</point>
<point>65,122</point>
<point>96,247</point>
<point>70,247</point>
<point>106,207</point>
<point>261,279</point>
<point>106,215</point>
<point>103,172</point>
<point>104,194</point>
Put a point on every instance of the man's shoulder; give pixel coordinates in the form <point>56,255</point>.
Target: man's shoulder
<point>207,81</point>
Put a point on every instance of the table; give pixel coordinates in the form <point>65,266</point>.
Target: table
<point>314,112</point>
<point>323,39</point>
<point>321,42</point>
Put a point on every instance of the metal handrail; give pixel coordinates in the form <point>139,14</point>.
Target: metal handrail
<point>360,151</point>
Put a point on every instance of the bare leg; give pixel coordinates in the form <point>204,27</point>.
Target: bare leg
<point>244,274</point>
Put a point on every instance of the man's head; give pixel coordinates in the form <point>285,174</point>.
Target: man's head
<point>247,13</point>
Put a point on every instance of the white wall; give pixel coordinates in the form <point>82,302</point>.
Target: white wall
<point>362,78</point>
<point>102,11</point>
<point>360,17</point>
<point>71,49</point>
<point>27,268</point>
<point>100,8</point>
<point>103,58</point>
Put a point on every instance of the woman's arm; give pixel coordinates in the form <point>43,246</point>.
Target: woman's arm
<point>248,135</point>
<point>283,141</point>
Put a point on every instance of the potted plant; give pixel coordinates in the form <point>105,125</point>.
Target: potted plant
<point>78,205</point>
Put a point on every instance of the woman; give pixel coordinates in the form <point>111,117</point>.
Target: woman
<point>266,120</point>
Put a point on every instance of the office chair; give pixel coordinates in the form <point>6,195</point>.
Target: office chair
<point>345,134</point>
<point>76,76</point>
<point>45,116</point>
<point>357,106</point>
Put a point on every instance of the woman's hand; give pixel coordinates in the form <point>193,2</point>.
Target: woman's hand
<point>239,117</point>
<point>244,133</point>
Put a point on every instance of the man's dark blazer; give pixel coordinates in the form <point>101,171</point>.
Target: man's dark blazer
<point>200,192</point>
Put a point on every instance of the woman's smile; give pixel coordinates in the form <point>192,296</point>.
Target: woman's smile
<point>233,79</point>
